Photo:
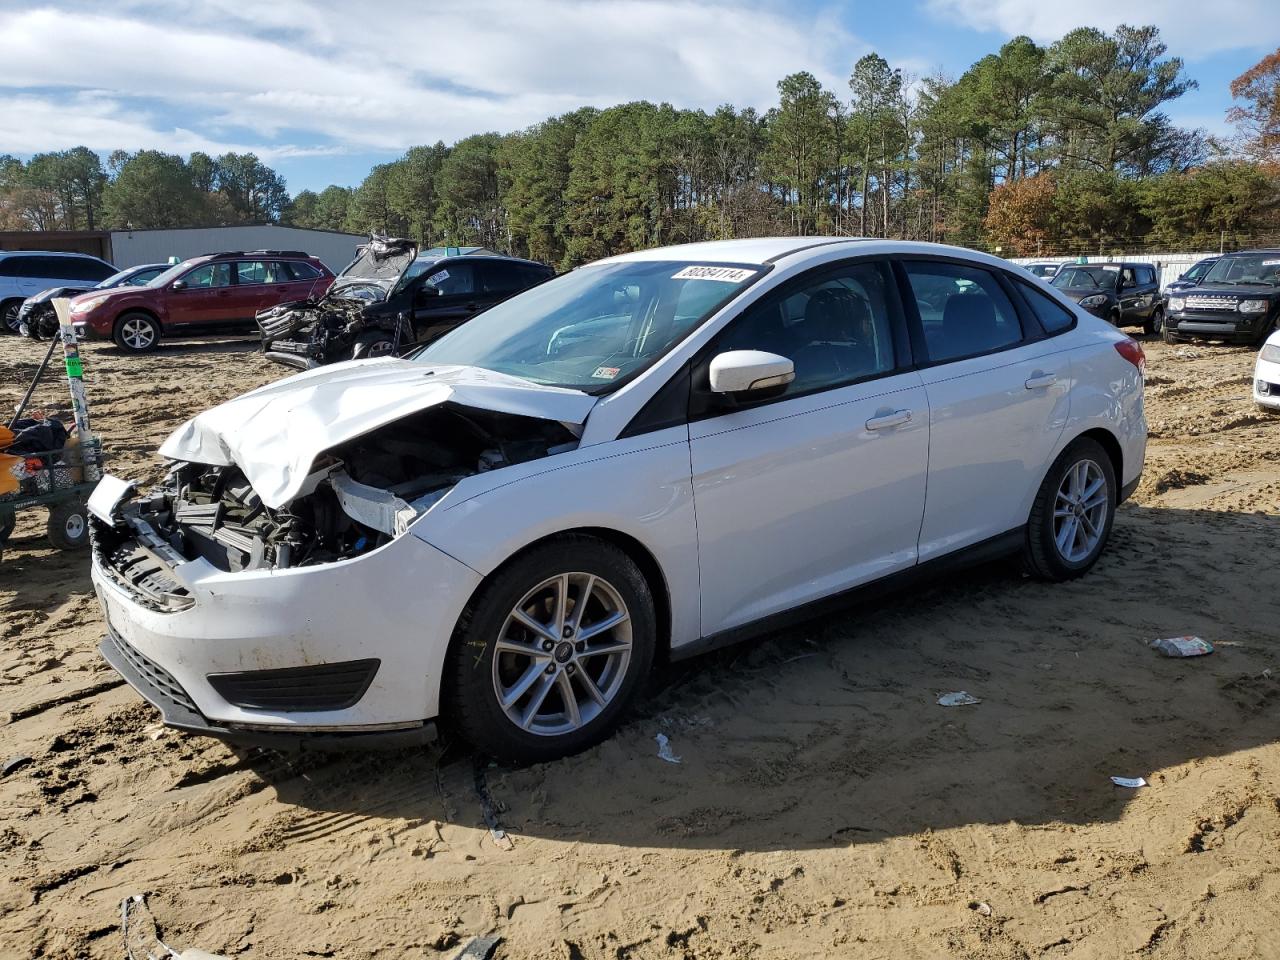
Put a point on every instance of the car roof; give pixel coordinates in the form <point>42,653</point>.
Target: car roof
<point>49,253</point>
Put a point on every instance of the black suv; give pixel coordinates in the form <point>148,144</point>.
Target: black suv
<point>1123,294</point>
<point>1238,300</point>
<point>390,298</point>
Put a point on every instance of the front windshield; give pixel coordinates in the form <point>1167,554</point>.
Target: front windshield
<point>166,278</point>
<point>1261,268</point>
<point>416,269</point>
<point>1093,278</point>
<point>1199,270</point>
<point>595,327</point>
<point>134,277</point>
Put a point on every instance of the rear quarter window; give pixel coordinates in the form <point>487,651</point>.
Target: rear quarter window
<point>1053,316</point>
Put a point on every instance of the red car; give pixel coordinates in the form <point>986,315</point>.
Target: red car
<point>218,293</point>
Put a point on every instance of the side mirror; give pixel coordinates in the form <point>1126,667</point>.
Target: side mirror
<point>178,285</point>
<point>750,374</point>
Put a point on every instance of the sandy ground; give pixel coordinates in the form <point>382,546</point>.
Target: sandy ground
<point>825,805</point>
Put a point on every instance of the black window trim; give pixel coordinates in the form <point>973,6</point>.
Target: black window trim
<point>1024,304</point>
<point>1027,322</point>
<point>704,405</point>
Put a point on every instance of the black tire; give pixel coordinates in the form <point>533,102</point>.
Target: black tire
<point>68,525</point>
<point>1168,335</point>
<point>1042,557</point>
<point>1266,331</point>
<point>470,695</point>
<point>1114,318</point>
<point>9,316</point>
<point>1153,323</point>
<point>380,344</point>
<point>6,527</point>
<point>136,332</point>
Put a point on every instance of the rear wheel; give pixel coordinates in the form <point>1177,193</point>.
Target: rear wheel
<point>1154,323</point>
<point>551,652</point>
<point>68,526</point>
<point>9,315</point>
<point>136,333</point>
<point>1072,514</point>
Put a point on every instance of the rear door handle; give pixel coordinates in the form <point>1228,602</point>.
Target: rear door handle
<point>1040,381</point>
<point>895,419</point>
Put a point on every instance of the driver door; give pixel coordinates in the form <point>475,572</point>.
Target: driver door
<point>443,299</point>
<point>822,488</point>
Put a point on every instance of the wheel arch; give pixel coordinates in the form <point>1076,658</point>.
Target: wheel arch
<point>638,553</point>
<point>145,311</point>
<point>1110,443</point>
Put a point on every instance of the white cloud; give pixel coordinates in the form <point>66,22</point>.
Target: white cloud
<point>1191,28</point>
<point>382,77</point>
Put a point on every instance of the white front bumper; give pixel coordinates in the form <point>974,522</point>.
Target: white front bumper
<point>398,604</point>
<point>1267,372</point>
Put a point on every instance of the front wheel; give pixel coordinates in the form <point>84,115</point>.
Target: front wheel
<point>551,652</point>
<point>9,315</point>
<point>1072,514</point>
<point>373,345</point>
<point>136,333</point>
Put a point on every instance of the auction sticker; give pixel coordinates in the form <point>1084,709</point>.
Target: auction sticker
<point>1271,263</point>
<point>606,373</point>
<point>723,274</point>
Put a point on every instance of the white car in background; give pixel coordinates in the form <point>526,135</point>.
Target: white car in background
<point>640,460</point>
<point>1266,375</point>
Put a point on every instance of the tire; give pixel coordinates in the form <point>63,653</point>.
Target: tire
<point>1114,318</point>
<point>1167,335</point>
<point>6,527</point>
<point>9,315</point>
<point>1153,323</point>
<point>136,333</point>
<point>1266,331</point>
<point>1083,459</point>
<point>373,345</point>
<point>476,673</point>
<point>68,525</point>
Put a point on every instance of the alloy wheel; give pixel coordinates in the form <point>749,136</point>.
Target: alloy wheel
<point>137,333</point>
<point>562,654</point>
<point>1080,511</point>
<point>11,316</point>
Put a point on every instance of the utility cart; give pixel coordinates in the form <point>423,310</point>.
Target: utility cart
<point>58,480</point>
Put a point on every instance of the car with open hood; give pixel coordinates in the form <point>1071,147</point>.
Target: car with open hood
<point>1123,294</point>
<point>390,297</point>
<point>1237,300</point>
<point>214,294</point>
<point>36,316</point>
<point>639,460</point>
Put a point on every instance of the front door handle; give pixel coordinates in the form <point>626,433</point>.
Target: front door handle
<point>1042,380</point>
<point>895,419</point>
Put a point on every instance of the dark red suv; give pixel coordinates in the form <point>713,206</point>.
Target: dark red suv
<point>218,293</point>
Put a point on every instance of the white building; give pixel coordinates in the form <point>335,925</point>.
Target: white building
<point>130,247</point>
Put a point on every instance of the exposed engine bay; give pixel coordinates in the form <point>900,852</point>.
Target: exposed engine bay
<point>358,496</point>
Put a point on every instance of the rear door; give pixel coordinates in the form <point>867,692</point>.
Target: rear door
<point>263,283</point>
<point>821,488</point>
<point>998,400</point>
<point>206,297</point>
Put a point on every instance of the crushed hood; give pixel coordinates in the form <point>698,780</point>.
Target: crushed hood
<point>381,262</point>
<point>274,434</point>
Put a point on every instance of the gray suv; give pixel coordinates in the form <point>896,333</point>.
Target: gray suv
<point>24,273</point>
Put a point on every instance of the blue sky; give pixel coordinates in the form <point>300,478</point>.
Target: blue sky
<point>324,89</point>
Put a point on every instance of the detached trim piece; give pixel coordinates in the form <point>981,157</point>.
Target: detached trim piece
<point>328,686</point>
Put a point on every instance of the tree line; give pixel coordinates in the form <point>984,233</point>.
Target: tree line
<point>1064,148</point>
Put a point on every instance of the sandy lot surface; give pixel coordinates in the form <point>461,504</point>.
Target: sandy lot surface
<point>825,805</point>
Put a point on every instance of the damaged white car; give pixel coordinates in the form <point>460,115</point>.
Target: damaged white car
<point>640,460</point>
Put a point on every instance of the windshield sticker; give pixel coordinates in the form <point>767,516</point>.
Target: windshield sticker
<point>1110,268</point>
<point>1271,263</point>
<point>723,274</point>
<point>435,278</point>
<point>606,373</point>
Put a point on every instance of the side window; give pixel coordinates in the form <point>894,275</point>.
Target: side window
<point>82,268</point>
<point>837,329</point>
<point>1054,317</point>
<point>13,267</point>
<point>495,277</point>
<point>1146,275</point>
<point>64,268</point>
<point>301,270</point>
<point>210,275</point>
<point>453,279</point>
<point>964,310</point>
<point>253,271</point>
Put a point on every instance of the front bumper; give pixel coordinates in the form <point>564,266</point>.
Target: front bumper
<point>291,354</point>
<point>1266,384</point>
<point>1233,327</point>
<point>395,606</point>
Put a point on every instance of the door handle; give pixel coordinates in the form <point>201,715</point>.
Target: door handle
<point>1042,380</point>
<point>895,419</point>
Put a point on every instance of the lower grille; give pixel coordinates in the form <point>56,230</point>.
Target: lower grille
<point>328,686</point>
<point>158,679</point>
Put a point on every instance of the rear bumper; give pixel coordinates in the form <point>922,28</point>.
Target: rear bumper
<point>158,687</point>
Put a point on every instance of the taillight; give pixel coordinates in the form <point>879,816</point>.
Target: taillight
<point>1131,350</point>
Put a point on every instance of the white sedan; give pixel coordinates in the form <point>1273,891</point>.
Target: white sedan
<point>638,461</point>
<point>1266,375</point>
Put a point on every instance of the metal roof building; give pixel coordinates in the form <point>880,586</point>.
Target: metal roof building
<point>127,248</point>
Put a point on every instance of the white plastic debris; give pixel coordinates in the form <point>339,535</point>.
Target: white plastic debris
<point>1183,646</point>
<point>664,749</point>
<point>957,699</point>
<point>1132,783</point>
<point>140,940</point>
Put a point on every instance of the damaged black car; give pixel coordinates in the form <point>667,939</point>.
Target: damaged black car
<point>392,297</point>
